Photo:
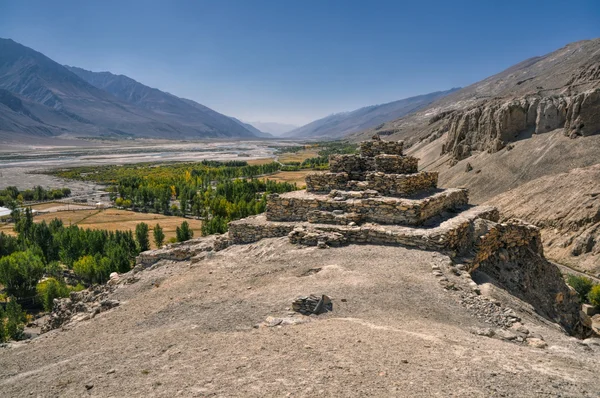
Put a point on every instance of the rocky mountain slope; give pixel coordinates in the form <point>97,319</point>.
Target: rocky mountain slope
<point>566,207</point>
<point>342,124</point>
<point>56,101</point>
<point>220,325</point>
<point>535,94</point>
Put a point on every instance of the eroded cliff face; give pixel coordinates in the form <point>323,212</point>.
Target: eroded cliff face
<point>490,126</point>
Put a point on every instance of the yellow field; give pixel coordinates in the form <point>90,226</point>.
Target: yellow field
<point>115,219</point>
<point>298,156</point>
<point>257,162</point>
<point>291,177</point>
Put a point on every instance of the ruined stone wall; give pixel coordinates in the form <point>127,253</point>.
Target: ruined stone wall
<point>378,210</point>
<point>511,254</point>
<point>356,166</point>
<point>385,184</point>
<point>245,232</point>
<point>377,147</point>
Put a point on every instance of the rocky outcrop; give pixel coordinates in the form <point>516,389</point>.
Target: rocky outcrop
<point>492,125</point>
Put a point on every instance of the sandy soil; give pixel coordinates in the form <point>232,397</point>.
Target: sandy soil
<point>187,330</point>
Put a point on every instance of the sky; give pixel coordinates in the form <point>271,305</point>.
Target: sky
<point>296,61</point>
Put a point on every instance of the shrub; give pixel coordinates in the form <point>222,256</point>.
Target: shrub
<point>581,284</point>
<point>594,296</point>
<point>12,321</point>
<point>50,289</point>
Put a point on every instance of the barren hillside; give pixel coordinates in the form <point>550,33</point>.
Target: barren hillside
<point>185,329</point>
<point>567,208</point>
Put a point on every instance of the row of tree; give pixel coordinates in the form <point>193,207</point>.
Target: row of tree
<point>217,192</point>
<point>12,195</point>
<point>35,262</point>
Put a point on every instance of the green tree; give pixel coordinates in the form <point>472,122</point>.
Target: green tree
<point>159,235</point>
<point>582,286</point>
<point>15,320</point>
<point>184,232</point>
<point>141,235</point>
<point>3,334</point>
<point>85,268</point>
<point>20,273</point>
<point>50,289</point>
<point>594,296</point>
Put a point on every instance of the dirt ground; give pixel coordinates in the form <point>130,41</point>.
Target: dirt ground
<point>116,219</point>
<point>188,330</point>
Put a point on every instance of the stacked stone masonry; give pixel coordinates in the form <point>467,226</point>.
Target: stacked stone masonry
<point>377,197</point>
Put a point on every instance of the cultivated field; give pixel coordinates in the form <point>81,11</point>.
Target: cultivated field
<point>291,177</point>
<point>115,219</point>
<point>298,156</point>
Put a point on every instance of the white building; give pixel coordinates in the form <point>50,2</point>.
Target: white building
<point>4,213</point>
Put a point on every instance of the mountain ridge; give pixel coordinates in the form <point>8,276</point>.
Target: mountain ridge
<point>341,124</point>
<point>55,101</point>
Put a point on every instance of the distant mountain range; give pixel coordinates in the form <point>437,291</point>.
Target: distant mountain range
<point>342,124</point>
<point>41,97</point>
<point>276,129</point>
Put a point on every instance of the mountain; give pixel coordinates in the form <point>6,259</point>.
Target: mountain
<point>273,127</point>
<point>41,97</point>
<point>342,124</point>
<point>166,106</point>
<point>252,129</point>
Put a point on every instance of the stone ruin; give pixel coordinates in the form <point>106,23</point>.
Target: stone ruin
<point>379,196</point>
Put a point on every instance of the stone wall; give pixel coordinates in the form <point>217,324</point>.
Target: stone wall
<point>245,231</point>
<point>394,164</point>
<point>377,147</point>
<point>382,210</point>
<point>385,184</point>
<point>511,255</point>
<point>356,166</point>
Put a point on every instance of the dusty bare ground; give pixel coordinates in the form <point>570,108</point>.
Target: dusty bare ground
<point>187,330</point>
<point>567,208</point>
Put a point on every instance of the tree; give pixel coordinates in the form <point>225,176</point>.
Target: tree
<point>85,268</point>
<point>184,232</point>
<point>15,320</point>
<point>594,296</point>
<point>159,236</point>
<point>581,284</point>
<point>50,289</point>
<point>141,235</point>
<point>20,273</point>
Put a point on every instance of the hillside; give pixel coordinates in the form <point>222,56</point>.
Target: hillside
<point>42,97</point>
<point>219,326</point>
<point>566,207</point>
<point>166,106</point>
<point>342,124</point>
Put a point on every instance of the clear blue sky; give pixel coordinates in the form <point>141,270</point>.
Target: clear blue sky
<point>294,61</point>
